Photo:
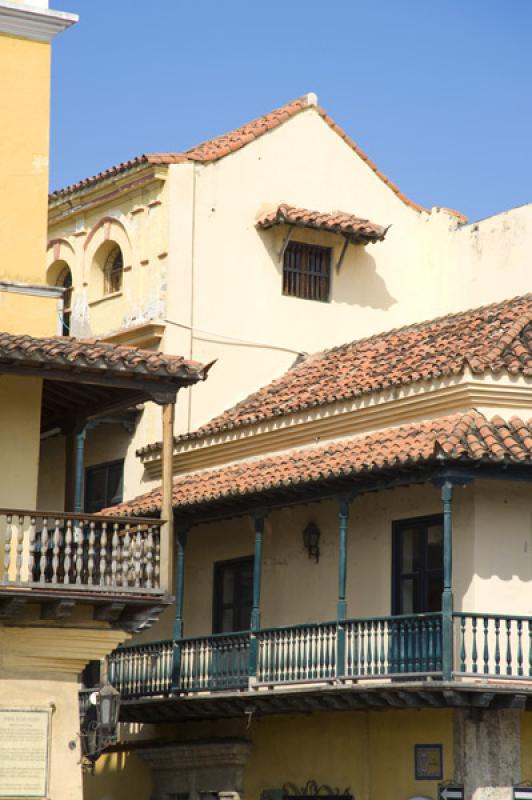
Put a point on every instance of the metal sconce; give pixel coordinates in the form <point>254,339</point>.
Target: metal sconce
<point>311,541</point>
<point>99,727</point>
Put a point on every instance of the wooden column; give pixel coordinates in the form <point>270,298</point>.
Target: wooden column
<point>181,541</point>
<point>79,469</point>
<point>447,594</point>
<point>343,516</point>
<point>167,510</point>
<point>259,518</point>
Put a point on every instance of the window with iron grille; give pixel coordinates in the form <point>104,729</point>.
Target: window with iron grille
<point>112,271</point>
<point>65,281</point>
<point>307,271</point>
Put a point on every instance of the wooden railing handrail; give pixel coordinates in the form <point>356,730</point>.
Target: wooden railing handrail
<point>20,512</point>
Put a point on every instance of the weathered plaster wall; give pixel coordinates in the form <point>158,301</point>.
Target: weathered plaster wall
<point>20,407</point>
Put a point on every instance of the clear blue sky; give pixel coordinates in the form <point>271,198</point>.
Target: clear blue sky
<point>437,92</point>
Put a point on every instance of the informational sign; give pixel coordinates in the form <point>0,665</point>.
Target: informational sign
<point>450,791</point>
<point>522,792</point>
<point>24,748</point>
<point>429,764</point>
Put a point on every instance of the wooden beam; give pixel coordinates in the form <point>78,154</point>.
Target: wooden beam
<point>58,609</point>
<point>167,509</point>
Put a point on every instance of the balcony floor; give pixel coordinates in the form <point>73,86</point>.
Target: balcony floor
<point>470,693</point>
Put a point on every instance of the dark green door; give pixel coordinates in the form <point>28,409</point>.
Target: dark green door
<point>417,584</point>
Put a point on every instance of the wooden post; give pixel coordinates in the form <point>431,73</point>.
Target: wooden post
<point>167,510</point>
<point>255,609</point>
<point>79,468</point>
<point>343,516</point>
<point>181,540</point>
<point>447,595</point>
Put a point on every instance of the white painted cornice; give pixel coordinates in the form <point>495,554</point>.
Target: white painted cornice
<point>30,22</point>
<point>490,394</point>
<point>34,289</point>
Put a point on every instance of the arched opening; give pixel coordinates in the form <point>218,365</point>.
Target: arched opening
<point>60,275</point>
<point>113,270</point>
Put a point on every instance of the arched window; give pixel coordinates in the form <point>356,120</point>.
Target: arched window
<point>113,270</point>
<point>64,280</point>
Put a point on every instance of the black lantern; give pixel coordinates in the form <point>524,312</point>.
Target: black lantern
<point>108,709</point>
<point>311,541</point>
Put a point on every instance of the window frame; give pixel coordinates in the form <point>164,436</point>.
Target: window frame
<point>218,608</point>
<point>422,522</point>
<point>93,468</point>
<point>111,272</point>
<point>295,279</point>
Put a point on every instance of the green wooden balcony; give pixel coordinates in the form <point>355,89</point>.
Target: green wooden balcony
<point>388,649</point>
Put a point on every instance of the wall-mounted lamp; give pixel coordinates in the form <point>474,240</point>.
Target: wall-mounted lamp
<point>311,541</point>
<point>100,723</point>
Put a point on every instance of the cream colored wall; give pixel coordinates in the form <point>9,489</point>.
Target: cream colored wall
<point>502,548</point>
<point>296,589</point>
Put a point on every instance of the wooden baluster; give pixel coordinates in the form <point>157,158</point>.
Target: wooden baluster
<point>157,559</point>
<point>497,647</point>
<point>333,638</point>
<point>355,635</point>
<point>44,550</point>
<point>508,647</point>
<point>126,557</point>
<point>321,647</point>
<point>382,655</point>
<point>474,654</point>
<point>79,535</point>
<point>91,553</point>
<point>115,556</point>
<point>148,548</point>
<point>20,548</point>
<point>369,651</point>
<point>362,648</point>
<point>431,664</point>
<point>68,551</point>
<point>7,546</point>
<point>486,655</point>
<point>137,558</point>
<point>519,647</point>
<point>462,644</point>
<point>32,559</point>
<point>402,655</point>
<point>103,555</point>
<point>56,551</point>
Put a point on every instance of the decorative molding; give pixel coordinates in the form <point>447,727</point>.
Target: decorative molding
<point>344,419</point>
<point>198,755</point>
<point>34,289</point>
<point>39,24</point>
<point>147,335</point>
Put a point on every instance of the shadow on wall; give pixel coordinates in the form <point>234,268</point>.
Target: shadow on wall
<point>358,282</point>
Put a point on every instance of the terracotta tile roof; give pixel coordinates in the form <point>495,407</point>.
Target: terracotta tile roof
<point>460,438</point>
<point>220,146</point>
<point>493,338</point>
<point>91,355</point>
<point>357,229</point>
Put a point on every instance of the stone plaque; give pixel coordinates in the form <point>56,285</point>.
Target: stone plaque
<point>24,740</point>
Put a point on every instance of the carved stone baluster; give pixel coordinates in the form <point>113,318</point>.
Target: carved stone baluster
<point>68,550</point>
<point>126,558</point>
<point>138,558</point>
<point>79,551</point>
<point>103,555</point>
<point>20,549</point>
<point>7,546</point>
<point>148,550</point>
<point>115,557</point>
<point>32,559</point>
<point>90,565</point>
<point>44,550</point>
<point>157,564</point>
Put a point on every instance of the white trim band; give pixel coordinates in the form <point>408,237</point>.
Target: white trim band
<point>33,23</point>
<point>35,289</point>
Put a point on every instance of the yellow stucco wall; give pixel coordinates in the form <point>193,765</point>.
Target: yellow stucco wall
<point>20,408</point>
<point>25,104</point>
<point>526,748</point>
<point>370,753</point>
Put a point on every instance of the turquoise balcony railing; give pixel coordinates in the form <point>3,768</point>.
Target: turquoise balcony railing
<point>389,648</point>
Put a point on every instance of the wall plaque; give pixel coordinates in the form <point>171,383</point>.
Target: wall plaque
<point>24,748</point>
<point>428,762</point>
